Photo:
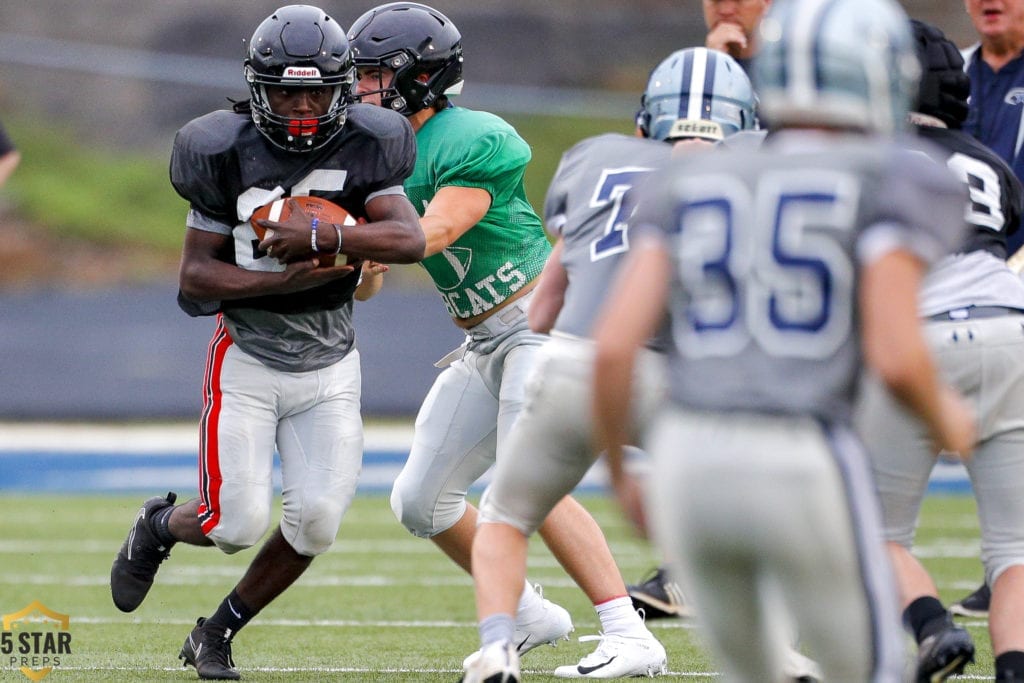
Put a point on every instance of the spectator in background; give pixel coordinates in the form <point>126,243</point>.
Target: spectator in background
<point>996,67</point>
<point>9,156</point>
<point>732,27</point>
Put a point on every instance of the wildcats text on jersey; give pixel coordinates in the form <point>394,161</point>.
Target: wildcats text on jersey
<point>482,296</point>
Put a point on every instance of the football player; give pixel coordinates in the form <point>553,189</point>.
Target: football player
<point>972,305</point>
<point>781,268</point>
<point>698,96</point>
<point>486,248</point>
<point>282,370</point>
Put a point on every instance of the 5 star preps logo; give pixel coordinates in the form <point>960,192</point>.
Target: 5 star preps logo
<point>35,640</point>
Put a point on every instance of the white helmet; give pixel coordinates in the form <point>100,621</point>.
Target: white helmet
<point>842,63</point>
<point>697,93</point>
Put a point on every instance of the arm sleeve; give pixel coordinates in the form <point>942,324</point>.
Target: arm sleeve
<point>494,161</point>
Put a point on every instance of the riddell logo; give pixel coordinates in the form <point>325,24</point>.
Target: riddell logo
<point>301,72</point>
<point>35,639</point>
<point>696,128</point>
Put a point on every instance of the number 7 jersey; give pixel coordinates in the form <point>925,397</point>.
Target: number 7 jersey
<point>766,246</point>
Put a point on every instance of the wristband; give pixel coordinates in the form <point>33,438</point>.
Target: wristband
<point>337,229</point>
<point>312,234</point>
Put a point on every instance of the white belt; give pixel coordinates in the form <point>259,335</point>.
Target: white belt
<point>502,321</point>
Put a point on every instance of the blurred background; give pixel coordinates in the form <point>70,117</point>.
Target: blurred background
<point>92,92</point>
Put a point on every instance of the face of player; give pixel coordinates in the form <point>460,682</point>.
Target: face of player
<point>299,102</point>
<point>370,82</point>
<point>744,13</point>
<point>998,19</point>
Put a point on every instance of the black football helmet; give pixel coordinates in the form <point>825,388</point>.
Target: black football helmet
<point>419,44</point>
<point>944,85</point>
<point>300,46</point>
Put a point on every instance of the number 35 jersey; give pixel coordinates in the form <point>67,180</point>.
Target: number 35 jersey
<point>766,247</point>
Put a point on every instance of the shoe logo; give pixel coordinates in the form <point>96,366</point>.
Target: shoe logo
<point>584,670</point>
<point>131,534</point>
<point>519,648</point>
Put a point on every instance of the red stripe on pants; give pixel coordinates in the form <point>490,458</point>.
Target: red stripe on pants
<point>209,454</point>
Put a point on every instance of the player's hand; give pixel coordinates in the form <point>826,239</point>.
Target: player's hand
<point>727,37</point>
<point>302,275</point>
<point>289,241</point>
<point>629,492</point>
<point>630,495</point>
<point>957,430</point>
<point>374,268</point>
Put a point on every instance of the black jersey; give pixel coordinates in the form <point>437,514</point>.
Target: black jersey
<point>996,195</point>
<point>226,169</point>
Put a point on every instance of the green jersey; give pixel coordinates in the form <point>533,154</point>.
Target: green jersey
<point>508,247</point>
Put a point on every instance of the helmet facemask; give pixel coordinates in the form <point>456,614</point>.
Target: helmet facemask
<point>299,47</point>
<point>295,134</point>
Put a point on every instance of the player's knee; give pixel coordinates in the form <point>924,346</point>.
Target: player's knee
<point>317,529</point>
<point>241,531</point>
<point>492,511</point>
<point>424,516</point>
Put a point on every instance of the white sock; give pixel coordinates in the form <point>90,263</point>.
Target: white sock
<point>618,616</point>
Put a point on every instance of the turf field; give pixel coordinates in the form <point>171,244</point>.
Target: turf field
<point>381,606</point>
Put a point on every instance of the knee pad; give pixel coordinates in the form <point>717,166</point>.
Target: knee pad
<point>317,528</point>
<point>240,530</point>
<point>422,516</point>
<point>493,513</point>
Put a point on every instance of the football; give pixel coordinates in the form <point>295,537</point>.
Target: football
<point>317,207</point>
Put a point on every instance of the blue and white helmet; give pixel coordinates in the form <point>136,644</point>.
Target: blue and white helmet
<point>697,93</point>
<point>837,63</point>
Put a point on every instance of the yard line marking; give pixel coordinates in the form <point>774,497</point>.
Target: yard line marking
<point>346,623</point>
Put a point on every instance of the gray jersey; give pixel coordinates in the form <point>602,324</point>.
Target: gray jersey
<point>587,205</point>
<point>766,246</point>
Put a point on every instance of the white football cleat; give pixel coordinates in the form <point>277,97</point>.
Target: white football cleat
<point>543,625</point>
<point>496,663</point>
<point>618,657</point>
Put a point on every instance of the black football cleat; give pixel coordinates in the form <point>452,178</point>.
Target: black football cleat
<point>659,597</point>
<point>208,649</point>
<point>974,605</point>
<point>140,556</point>
<point>944,654</point>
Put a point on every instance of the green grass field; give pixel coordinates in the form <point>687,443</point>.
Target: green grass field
<point>380,606</point>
